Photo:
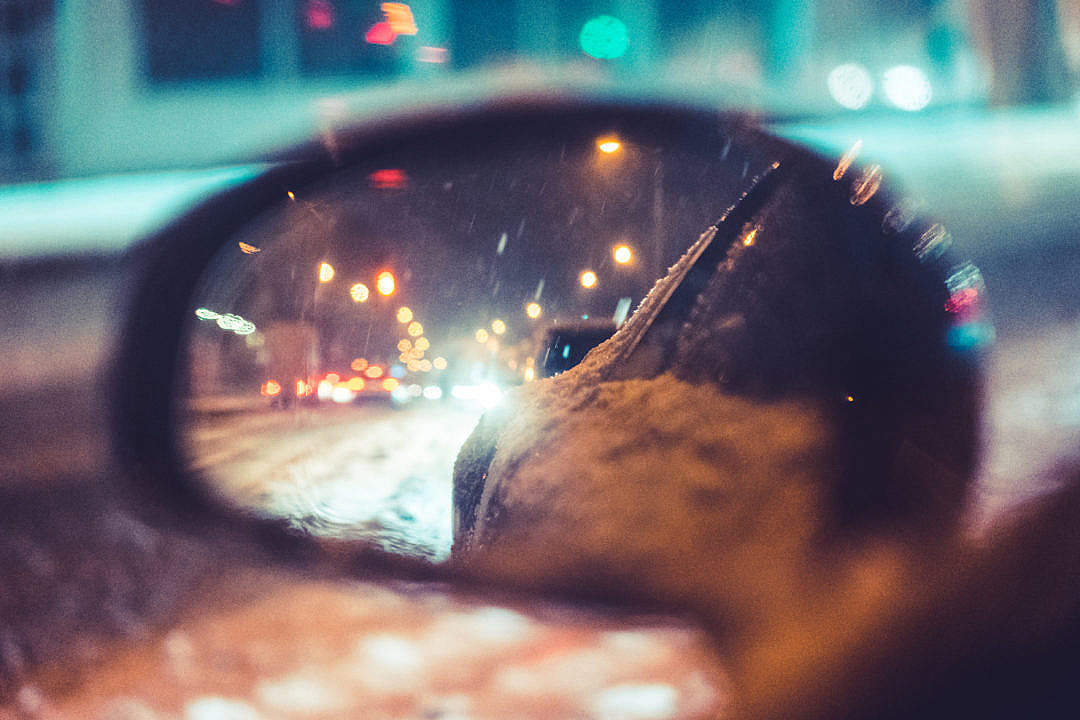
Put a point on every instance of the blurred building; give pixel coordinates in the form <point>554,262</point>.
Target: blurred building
<point>92,86</point>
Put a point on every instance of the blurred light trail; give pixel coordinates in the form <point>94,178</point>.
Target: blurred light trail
<point>248,249</point>
<point>385,283</point>
<point>428,54</point>
<point>380,34</point>
<point>399,17</point>
<point>388,179</point>
<point>359,292</point>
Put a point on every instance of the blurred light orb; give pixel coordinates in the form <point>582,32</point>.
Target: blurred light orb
<point>588,279</point>
<point>404,346</point>
<point>533,310</point>
<point>425,366</point>
<point>319,15</point>
<point>374,372</point>
<point>422,343</point>
<point>358,364</point>
<point>608,146</point>
<point>433,392</point>
<point>439,363</point>
<point>356,384</point>
<point>385,283</point>
<point>359,292</point>
<point>326,272</point>
<point>415,329</point>
<point>342,394</point>
<point>404,315</point>
<point>481,335</point>
<point>622,254</point>
<point>851,85</point>
<point>492,345</point>
<point>604,37</point>
<point>498,326</point>
<point>325,389</point>
<point>907,88</point>
<point>271,388</point>
<point>530,374</point>
<point>390,384</point>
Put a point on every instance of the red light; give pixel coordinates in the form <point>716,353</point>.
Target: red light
<point>271,388</point>
<point>374,371</point>
<point>388,178</point>
<point>380,34</point>
<point>319,15</point>
<point>963,301</point>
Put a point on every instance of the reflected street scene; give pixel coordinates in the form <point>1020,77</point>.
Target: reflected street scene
<point>342,348</point>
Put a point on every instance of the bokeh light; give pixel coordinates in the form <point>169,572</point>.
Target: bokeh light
<point>498,326</point>
<point>604,37</point>
<point>533,310</point>
<point>622,254</point>
<point>404,315</point>
<point>907,87</point>
<point>271,388</point>
<point>851,85</point>
<point>404,346</point>
<point>422,344</point>
<point>359,292</point>
<point>326,272</point>
<point>359,364</point>
<point>588,279</point>
<point>374,372</point>
<point>415,329</point>
<point>481,335</point>
<point>439,363</point>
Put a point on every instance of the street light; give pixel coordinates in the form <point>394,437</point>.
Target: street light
<point>498,326</point>
<point>404,315</point>
<point>384,283</point>
<point>326,272</point>
<point>588,279</point>
<point>608,145</point>
<point>481,335</point>
<point>533,310</point>
<point>622,254</point>
<point>415,329</point>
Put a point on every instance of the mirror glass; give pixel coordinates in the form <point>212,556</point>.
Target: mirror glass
<point>342,347</point>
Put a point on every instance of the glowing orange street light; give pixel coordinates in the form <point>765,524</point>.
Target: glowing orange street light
<point>588,279</point>
<point>533,310</point>
<point>608,145</point>
<point>622,254</point>
<point>326,272</point>
<point>384,283</point>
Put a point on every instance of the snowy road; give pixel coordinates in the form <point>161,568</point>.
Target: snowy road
<point>368,471</point>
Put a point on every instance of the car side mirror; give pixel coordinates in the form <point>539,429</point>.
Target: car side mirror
<point>311,349</point>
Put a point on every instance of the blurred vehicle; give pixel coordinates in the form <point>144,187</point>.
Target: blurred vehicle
<point>564,346</point>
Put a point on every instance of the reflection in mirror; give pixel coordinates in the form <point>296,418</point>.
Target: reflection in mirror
<point>342,347</point>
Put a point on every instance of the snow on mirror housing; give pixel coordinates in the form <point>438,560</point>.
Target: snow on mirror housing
<point>808,368</point>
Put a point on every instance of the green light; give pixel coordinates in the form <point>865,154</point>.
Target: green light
<point>604,37</point>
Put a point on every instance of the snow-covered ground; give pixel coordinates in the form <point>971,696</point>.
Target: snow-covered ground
<point>368,471</point>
